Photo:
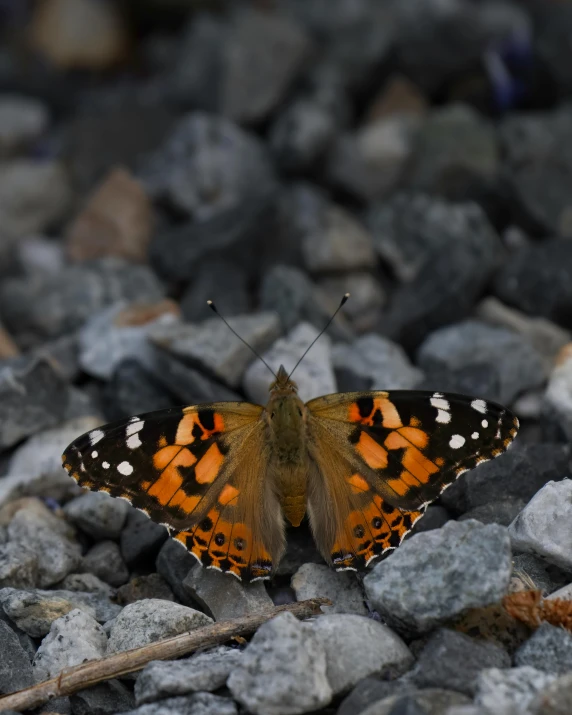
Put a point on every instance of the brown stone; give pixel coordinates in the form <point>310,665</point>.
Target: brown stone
<point>116,221</point>
<point>143,313</point>
<point>399,95</point>
<point>8,347</point>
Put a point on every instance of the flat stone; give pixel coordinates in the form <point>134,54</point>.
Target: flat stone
<point>143,587</point>
<point>502,512</point>
<point>314,376</point>
<point>453,661</point>
<point>73,639</point>
<point>377,360</point>
<point>282,670</point>
<point>357,647</point>
<point>33,397</point>
<point>343,589</point>
<point>433,701</point>
<point>511,358</point>
<point>213,346</point>
<point>50,538</point>
<point>543,527</point>
<point>369,691</point>
<point>35,467</point>
<point>548,649</point>
<point>106,698</point>
<point>98,514</point>
<point>35,610</point>
<point>223,596</point>
<point>87,583</point>
<point>205,671</point>
<point>253,84</point>
<point>174,563</point>
<point>15,667</point>
<point>220,280</point>
<point>22,121</point>
<point>546,577</point>
<point>150,620</point>
<point>197,704</point>
<point>52,305</point>
<point>435,576</point>
<point>141,539</point>
<point>18,566</point>
<point>368,297</point>
<point>117,220</point>
<point>104,560</point>
<point>510,691</point>
<point>435,517</point>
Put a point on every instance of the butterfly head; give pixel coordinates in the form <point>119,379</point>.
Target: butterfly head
<point>283,384</point>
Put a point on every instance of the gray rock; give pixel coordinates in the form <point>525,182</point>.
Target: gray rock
<point>22,121</point>
<point>545,577</point>
<point>33,194</point>
<point>314,376</point>
<point>289,292</point>
<point>52,305</point>
<point>174,563</point>
<point>254,84</point>
<point>409,228</point>
<point>104,344</point>
<point>106,698</point>
<point>220,280</point>
<point>452,660</point>
<point>558,395</point>
<point>501,512</point>
<point>434,518</point>
<point>554,698</point>
<point>282,670</point>
<point>369,691</point>
<point>371,163</point>
<point>456,153</point>
<point>223,596</point>
<point>18,566</point>
<point>3,535</point>
<point>98,514</point>
<point>206,671</point>
<point>50,538</point>
<point>35,610</point>
<point>548,649</point>
<point>431,701</point>
<point>104,560</point>
<point>510,692</point>
<point>379,361</point>
<point>33,397</point>
<point>143,587</point>
<point>343,589</point>
<point>438,575</point>
<point>150,620</point>
<point>141,539</point>
<point>544,526</point>
<point>212,345</point>
<point>73,639</point>
<point>363,310</point>
<point>517,366</point>
<point>197,704</point>
<point>357,647</point>
<point>15,667</point>
<point>516,474</point>
<point>86,583</point>
<point>35,467</point>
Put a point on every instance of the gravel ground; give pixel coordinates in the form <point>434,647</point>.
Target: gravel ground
<point>271,156</point>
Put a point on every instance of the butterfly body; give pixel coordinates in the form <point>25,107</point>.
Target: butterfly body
<point>225,478</point>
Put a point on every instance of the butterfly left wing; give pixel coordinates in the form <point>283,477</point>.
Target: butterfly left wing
<point>380,457</point>
<point>200,471</point>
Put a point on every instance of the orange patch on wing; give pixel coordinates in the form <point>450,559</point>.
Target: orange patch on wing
<point>373,454</point>
<point>391,419</point>
<point>398,486</point>
<point>185,429</point>
<point>167,484</point>
<point>354,415</point>
<point>209,465</point>
<point>145,485</point>
<point>185,502</point>
<point>414,461</point>
<point>414,422</point>
<point>416,436</point>
<point>358,483</point>
<point>227,494</point>
<point>165,456</point>
<point>162,441</point>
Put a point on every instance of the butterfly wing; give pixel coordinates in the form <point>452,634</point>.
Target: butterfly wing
<point>199,471</point>
<point>380,457</point>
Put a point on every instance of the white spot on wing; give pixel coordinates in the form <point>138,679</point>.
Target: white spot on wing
<point>484,424</point>
<point>125,468</point>
<point>134,426</point>
<point>475,435</point>
<point>133,441</point>
<point>439,402</point>
<point>479,406</point>
<point>94,454</point>
<point>105,465</point>
<point>443,417</point>
<point>456,441</point>
<point>95,436</point>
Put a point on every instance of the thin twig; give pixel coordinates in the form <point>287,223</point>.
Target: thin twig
<point>82,676</point>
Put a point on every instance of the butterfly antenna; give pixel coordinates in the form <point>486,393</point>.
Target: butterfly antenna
<point>213,307</point>
<point>322,331</point>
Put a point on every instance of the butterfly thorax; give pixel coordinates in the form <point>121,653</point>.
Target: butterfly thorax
<point>286,419</point>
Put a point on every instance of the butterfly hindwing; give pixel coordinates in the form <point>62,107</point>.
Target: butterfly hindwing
<point>391,454</point>
<point>185,467</point>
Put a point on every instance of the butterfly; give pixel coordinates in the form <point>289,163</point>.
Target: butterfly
<point>226,477</point>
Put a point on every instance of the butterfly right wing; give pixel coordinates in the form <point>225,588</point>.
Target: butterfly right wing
<point>200,471</point>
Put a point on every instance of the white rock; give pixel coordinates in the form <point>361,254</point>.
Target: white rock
<point>316,580</point>
<point>509,692</point>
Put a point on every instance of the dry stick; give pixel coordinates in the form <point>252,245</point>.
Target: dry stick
<point>82,676</point>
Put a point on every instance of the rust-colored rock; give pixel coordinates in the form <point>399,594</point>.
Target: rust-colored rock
<point>8,347</point>
<point>116,221</point>
<point>399,95</point>
<point>143,313</point>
